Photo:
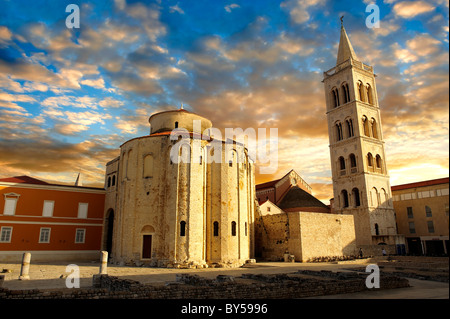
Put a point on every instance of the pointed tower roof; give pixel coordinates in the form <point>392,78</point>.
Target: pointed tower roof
<point>78,181</point>
<point>345,48</point>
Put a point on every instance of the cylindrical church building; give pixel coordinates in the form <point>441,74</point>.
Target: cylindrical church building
<point>180,198</point>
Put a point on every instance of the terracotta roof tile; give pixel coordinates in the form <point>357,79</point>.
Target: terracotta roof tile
<point>421,184</point>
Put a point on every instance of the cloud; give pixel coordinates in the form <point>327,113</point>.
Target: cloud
<point>5,35</point>
<point>228,8</point>
<point>410,9</point>
<point>423,45</point>
<point>130,124</point>
<point>69,129</point>
<point>98,83</point>
<point>298,9</point>
<point>176,8</point>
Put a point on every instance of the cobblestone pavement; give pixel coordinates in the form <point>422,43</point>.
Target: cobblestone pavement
<point>51,276</point>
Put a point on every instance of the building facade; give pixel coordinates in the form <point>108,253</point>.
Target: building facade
<point>299,224</point>
<point>52,222</point>
<point>361,184</point>
<point>180,202</point>
<point>422,210</point>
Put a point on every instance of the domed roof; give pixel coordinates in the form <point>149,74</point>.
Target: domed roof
<point>167,121</point>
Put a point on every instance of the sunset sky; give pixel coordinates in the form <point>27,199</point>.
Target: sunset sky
<point>70,97</point>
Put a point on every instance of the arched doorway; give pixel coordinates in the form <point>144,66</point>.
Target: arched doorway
<point>109,227</point>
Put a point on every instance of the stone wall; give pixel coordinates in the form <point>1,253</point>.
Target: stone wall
<point>250,286</point>
<point>305,235</point>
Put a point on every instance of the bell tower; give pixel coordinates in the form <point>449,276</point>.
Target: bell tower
<point>361,184</point>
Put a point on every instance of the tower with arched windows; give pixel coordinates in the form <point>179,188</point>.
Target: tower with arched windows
<point>361,184</point>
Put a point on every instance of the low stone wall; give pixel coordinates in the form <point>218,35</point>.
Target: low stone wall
<point>249,286</point>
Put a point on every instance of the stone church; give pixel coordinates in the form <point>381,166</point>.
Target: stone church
<point>191,206</point>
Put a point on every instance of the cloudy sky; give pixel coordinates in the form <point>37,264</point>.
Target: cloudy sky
<point>70,97</point>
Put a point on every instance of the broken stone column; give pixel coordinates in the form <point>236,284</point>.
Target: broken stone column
<point>25,267</point>
<point>104,264</point>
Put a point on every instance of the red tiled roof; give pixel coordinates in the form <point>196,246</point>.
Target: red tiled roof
<point>23,179</point>
<point>267,184</point>
<point>431,182</point>
<point>30,180</point>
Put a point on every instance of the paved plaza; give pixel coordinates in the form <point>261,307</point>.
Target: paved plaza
<point>53,276</point>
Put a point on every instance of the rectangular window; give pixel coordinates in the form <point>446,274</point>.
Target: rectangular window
<point>425,194</point>
<point>412,228</point>
<point>82,210</point>
<point>430,226</point>
<point>5,234</point>
<point>44,236</point>
<point>428,211</point>
<point>409,212</point>
<point>10,206</point>
<point>80,235</point>
<point>47,211</point>
<point>446,209</point>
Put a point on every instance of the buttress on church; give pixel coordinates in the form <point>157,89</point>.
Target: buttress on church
<point>200,212</point>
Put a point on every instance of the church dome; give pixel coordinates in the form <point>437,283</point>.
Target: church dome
<point>168,120</point>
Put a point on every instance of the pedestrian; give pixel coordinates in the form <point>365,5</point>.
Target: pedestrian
<point>383,252</point>
<point>360,253</point>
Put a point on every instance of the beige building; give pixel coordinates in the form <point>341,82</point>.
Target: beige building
<point>422,210</point>
<point>299,224</point>
<point>361,184</point>
<point>180,200</point>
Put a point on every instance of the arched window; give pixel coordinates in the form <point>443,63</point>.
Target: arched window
<point>182,228</point>
<point>361,91</point>
<point>341,163</point>
<point>124,165</point>
<point>216,228</point>
<point>335,97</point>
<point>148,166</point>
<point>355,194</point>
<point>383,197</point>
<point>374,197</point>
<point>129,163</point>
<point>373,125</point>
<point>344,196</point>
<point>176,124</point>
<point>341,166</point>
<point>233,228</point>
<point>109,181</point>
<point>339,134</point>
<point>349,123</point>
<point>377,230</point>
<point>378,162</point>
<point>345,93</point>
<point>113,180</point>
<point>353,168</point>
<point>365,123</point>
<point>428,211</point>
<point>369,159</point>
<point>369,94</point>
